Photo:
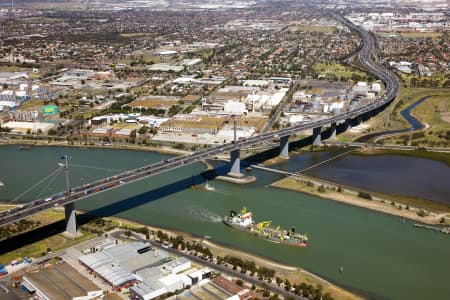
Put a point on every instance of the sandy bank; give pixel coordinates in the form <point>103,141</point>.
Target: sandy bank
<point>350,196</point>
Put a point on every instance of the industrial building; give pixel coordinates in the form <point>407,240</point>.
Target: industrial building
<point>117,264</point>
<point>155,284</point>
<point>61,282</point>
<point>195,124</point>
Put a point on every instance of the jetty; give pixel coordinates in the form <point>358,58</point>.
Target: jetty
<point>445,230</point>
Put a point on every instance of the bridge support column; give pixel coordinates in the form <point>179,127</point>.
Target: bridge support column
<point>235,162</point>
<point>71,221</point>
<point>284,147</point>
<point>317,140</point>
<point>348,124</point>
<point>333,131</point>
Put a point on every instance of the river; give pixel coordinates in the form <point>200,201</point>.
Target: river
<point>381,256</point>
<point>406,114</point>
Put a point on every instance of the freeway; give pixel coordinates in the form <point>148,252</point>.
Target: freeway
<point>74,194</point>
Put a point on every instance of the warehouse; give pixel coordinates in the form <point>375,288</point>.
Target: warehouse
<point>117,264</point>
<point>61,281</point>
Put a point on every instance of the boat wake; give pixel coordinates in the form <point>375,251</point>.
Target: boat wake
<point>204,215</point>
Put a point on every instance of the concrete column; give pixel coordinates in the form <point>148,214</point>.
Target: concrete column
<point>235,163</point>
<point>333,131</point>
<point>284,147</point>
<point>317,141</point>
<point>348,124</point>
<point>71,221</point>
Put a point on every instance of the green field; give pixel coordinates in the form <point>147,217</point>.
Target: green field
<point>337,70</point>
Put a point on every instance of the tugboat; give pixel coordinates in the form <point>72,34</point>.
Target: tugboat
<point>243,221</point>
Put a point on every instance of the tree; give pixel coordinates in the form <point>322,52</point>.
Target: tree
<point>321,188</point>
<point>287,285</point>
<point>278,280</point>
<point>143,130</point>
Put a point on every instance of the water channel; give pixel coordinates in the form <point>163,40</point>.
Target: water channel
<point>383,257</point>
<point>406,114</point>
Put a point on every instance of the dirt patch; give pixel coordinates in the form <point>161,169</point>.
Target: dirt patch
<point>445,116</point>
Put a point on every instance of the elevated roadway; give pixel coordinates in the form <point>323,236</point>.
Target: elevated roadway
<point>77,193</point>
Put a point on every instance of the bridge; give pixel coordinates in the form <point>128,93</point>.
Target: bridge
<point>74,194</point>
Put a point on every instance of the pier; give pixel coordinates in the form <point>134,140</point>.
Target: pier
<point>445,230</point>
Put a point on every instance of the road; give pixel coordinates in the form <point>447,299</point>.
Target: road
<point>80,192</point>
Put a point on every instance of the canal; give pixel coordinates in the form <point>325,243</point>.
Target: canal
<point>382,257</point>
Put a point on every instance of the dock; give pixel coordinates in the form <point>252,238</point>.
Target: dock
<point>445,230</point>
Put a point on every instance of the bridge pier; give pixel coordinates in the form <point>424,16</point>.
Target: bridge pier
<point>235,162</point>
<point>333,131</point>
<point>284,147</point>
<point>71,220</point>
<point>317,140</point>
<point>348,124</point>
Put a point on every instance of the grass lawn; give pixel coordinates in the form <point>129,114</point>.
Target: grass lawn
<point>337,70</point>
<point>55,242</point>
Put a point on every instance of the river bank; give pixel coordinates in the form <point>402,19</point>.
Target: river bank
<point>41,143</point>
<point>294,274</point>
<point>384,203</point>
<point>443,157</point>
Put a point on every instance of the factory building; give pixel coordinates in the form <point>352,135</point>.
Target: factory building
<point>61,282</point>
<point>117,265</point>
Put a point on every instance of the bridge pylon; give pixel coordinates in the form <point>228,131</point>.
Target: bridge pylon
<point>317,139</point>
<point>284,147</point>
<point>347,124</point>
<point>69,208</point>
<point>71,220</point>
<point>235,162</point>
<point>333,131</point>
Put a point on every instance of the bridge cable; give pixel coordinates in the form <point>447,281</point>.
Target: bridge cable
<point>95,168</point>
<point>49,183</point>
<point>34,186</point>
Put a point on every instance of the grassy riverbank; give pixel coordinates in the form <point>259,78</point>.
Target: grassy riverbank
<point>390,118</point>
<point>294,274</point>
<point>402,206</point>
<point>437,156</point>
<point>134,147</point>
